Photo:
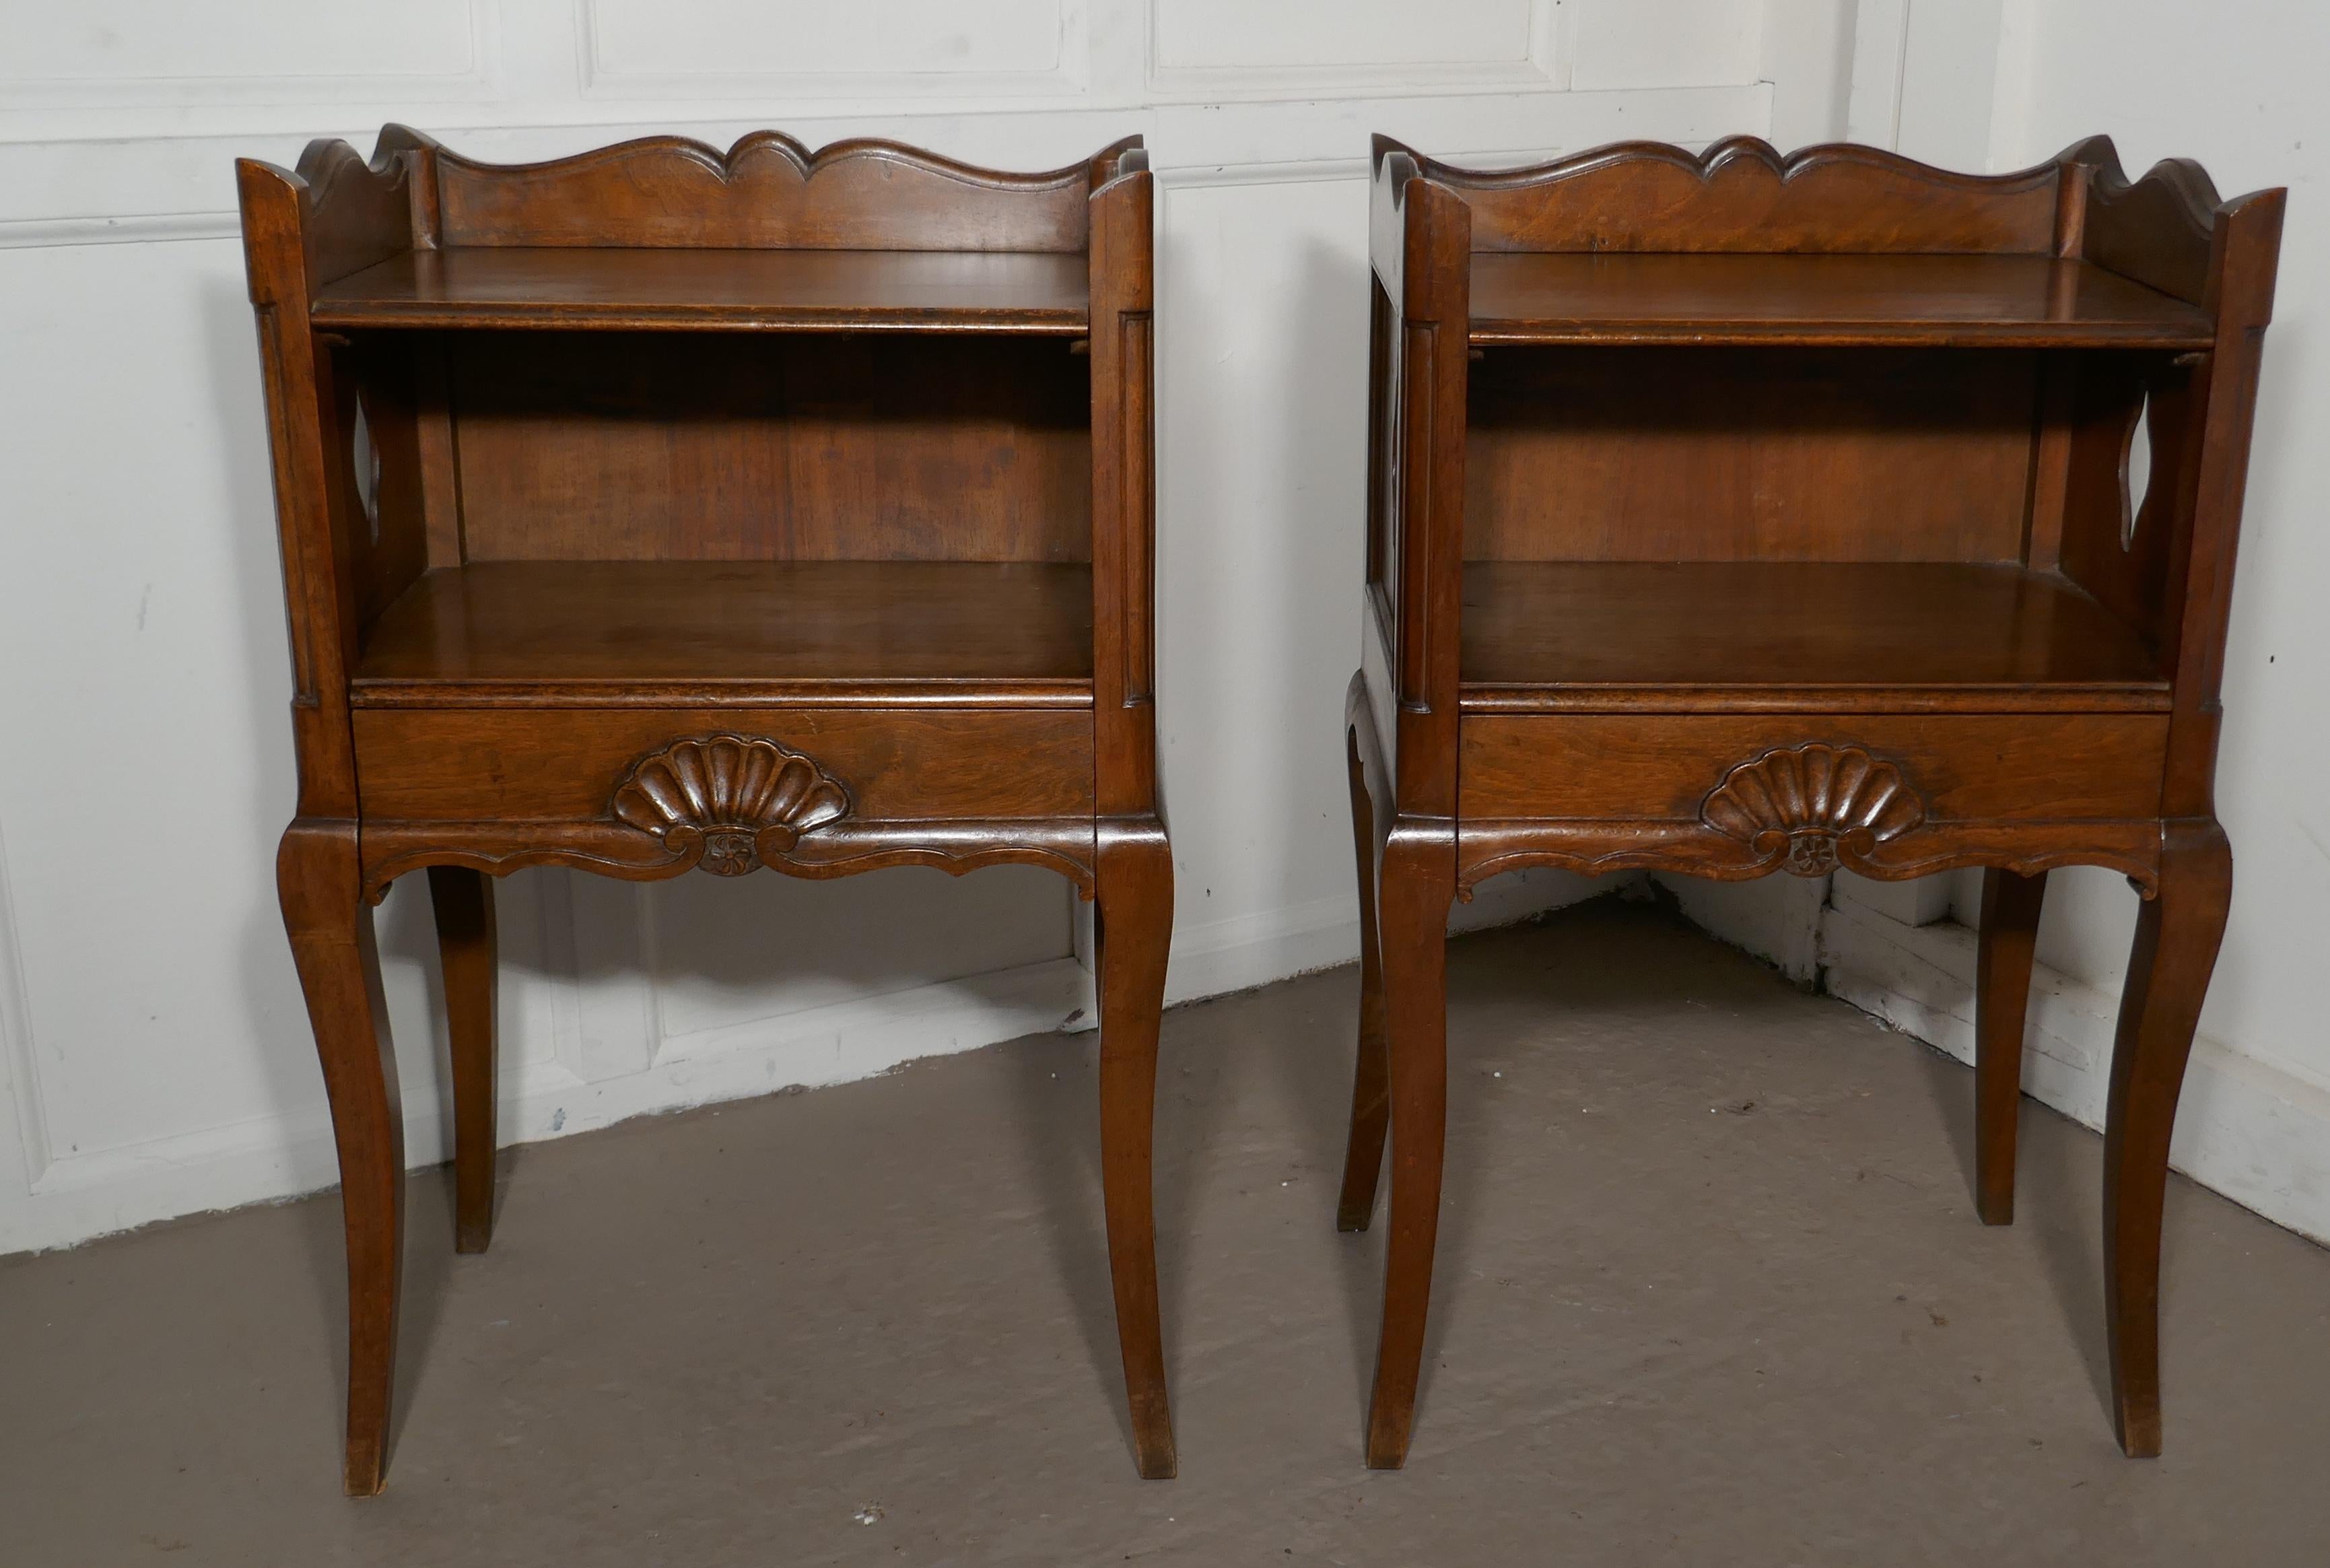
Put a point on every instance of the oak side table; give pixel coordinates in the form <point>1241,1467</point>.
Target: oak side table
<point>1734,514</point>
<point>660,509</point>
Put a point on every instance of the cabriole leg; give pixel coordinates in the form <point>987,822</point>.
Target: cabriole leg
<point>2177,938</point>
<point>330,928</point>
<point>1417,883</point>
<point>1370,1098</point>
<point>1133,929</point>
<point>464,902</point>
<point>2006,944</point>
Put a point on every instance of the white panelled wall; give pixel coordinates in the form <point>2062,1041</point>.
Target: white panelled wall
<point>153,1050</point>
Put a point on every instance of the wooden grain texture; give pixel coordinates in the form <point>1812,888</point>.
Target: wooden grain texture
<point>2168,969</point>
<point>471,765</point>
<point>375,474</point>
<point>1490,847</point>
<point>1123,495</point>
<point>1415,884</point>
<point>315,530</point>
<point>1586,636</point>
<point>333,946</point>
<point>595,631</point>
<point>653,447</point>
<point>2245,257</point>
<point>2007,941</point>
<point>462,902</point>
<point>2118,546</point>
<point>1741,195</point>
<point>1929,301</point>
<point>1428,262</point>
<point>1371,1077</point>
<point>856,571</point>
<point>1681,454</point>
<point>766,192</point>
<point>618,289</point>
<point>1783,523</point>
<point>605,847</point>
<point>358,212</point>
<point>1133,930</point>
<point>2160,229</point>
<point>2041,767</point>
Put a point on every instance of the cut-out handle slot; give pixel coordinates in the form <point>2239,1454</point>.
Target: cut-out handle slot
<point>2134,472</point>
<point>364,458</point>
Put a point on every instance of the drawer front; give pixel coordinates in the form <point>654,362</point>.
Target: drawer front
<point>1981,767</point>
<point>538,764</point>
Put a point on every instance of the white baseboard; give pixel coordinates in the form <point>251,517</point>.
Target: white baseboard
<point>1216,957</point>
<point>1220,956</point>
<point>2247,1128</point>
<point>97,1192</point>
<point>1776,919</point>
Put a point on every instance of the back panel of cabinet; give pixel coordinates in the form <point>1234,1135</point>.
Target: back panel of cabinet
<point>1730,454</point>
<point>687,446</point>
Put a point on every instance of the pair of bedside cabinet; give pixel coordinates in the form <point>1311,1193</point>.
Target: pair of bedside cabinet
<point>659,509</point>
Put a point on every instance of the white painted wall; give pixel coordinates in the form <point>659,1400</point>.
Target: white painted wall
<point>154,1048</point>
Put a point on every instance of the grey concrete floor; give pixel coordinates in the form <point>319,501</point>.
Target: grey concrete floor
<point>1711,1290</point>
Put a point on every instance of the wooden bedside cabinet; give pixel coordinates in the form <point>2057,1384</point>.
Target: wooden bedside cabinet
<point>1730,514</point>
<point>660,508</point>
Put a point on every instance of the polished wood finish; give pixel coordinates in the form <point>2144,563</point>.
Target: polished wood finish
<point>667,446</point>
<point>662,509</point>
<point>463,902</point>
<point>2007,942</point>
<point>768,192</point>
<point>1559,636</point>
<point>1758,454</point>
<point>1133,929</point>
<point>721,290</point>
<point>1924,301</point>
<point>471,763</point>
<point>1730,514</point>
<point>1971,767</point>
<point>1370,1080</point>
<point>2177,936</point>
<point>582,631</point>
<point>332,942</point>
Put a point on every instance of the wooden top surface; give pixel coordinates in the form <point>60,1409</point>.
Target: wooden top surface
<point>2014,301</point>
<point>574,633</point>
<point>1566,636</point>
<point>552,286</point>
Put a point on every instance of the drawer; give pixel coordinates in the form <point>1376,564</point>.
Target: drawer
<point>1971,767</point>
<point>538,764</point>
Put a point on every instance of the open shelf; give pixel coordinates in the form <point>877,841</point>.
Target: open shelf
<point>1836,300</point>
<point>570,287</point>
<point>1548,636</point>
<point>631,633</point>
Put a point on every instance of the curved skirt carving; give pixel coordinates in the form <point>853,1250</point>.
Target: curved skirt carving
<point>841,848</point>
<point>1486,848</point>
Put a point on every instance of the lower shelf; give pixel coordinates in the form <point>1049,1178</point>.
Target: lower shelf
<point>606,634</point>
<point>1562,636</point>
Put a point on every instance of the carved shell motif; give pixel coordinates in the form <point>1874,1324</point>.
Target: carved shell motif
<point>731,800</point>
<point>1806,804</point>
